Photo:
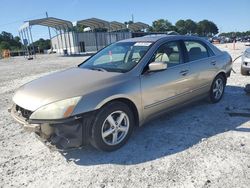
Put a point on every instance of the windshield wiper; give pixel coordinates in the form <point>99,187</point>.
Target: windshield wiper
<point>98,69</point>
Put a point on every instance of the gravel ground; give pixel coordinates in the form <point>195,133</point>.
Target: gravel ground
<point>198,146</point>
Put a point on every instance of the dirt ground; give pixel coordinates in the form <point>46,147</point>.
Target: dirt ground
<point>198,146</point>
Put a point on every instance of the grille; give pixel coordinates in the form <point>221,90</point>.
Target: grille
<point>25,113</point>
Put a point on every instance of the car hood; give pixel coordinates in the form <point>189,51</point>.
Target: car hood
<point>62,85</point>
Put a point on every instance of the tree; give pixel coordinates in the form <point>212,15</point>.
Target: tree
<point>186,26</point>
<point>161,25</point>
<point>181,27</point>
<point>5,36</point>
<point>190,26</point>
<point>237,34</point>
<point>42,44</point>
<point>7,41</point>
<point>4,46</point>
<point>79,28</point>
<point>207,28</point>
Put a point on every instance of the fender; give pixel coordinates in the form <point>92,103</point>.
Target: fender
<point>97,99</point>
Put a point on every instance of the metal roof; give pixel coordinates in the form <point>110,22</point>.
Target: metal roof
<point>94,23</point>
<point>138,26</point>
<point>49,22</point>
<point>116,26</point>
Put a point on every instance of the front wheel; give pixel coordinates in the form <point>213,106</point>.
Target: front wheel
<point>217,89</point>
<point>112,127</point>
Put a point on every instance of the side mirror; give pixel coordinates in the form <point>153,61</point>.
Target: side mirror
<point>157,66</point>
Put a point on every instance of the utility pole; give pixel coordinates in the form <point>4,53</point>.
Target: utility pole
<point>49,33</point>
<point>133,18</point>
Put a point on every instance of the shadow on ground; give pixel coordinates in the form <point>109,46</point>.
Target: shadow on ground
<point>173,132</point>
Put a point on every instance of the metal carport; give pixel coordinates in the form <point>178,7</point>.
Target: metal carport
<point>138,26</point>
<point>117,26</point>
<point>96,23</point>
<point>62,27</point>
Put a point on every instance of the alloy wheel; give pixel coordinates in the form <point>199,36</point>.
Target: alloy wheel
<point>218,88</point>
<point>115,128</point>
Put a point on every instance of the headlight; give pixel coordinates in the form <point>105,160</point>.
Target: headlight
<point>57,110</point>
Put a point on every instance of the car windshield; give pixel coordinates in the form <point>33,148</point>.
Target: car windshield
<point>118,57</point>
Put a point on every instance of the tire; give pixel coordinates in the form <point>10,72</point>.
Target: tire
<point>244,72</point>
<point>217,89</point>
<point>106,126</point>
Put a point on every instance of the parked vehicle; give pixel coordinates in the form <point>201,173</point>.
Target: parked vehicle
<point>247,44</point>
<point>216,40</point>
<point>245,64</point>
<point>122,86</point>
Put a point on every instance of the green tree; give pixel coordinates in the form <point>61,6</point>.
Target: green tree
<point>5,36</point>
<point>181,27</point>
<point>42,44</point>
<point>161,25</point>
<point>237,34</point>
<point>7,41</point>
<point>186,26</point>
<point>4,46</point>
<point>190,26</point>
<point>207,28</point>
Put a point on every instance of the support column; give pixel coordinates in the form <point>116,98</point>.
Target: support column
<point>58,44</point>
<point>61,40</point>
<point>28,38</point>
<point>22,46</point>
<point>65,41</point>
<point>34,51</point>
<point>69,41</point>
<point>78,43</point>
<point>27,47</point>
<point>49,33</point>
<point>96,42</point>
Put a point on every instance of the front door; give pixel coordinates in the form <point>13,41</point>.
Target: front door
<point>164,89</point>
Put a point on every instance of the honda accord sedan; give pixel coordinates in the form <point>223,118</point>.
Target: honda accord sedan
<point>124,85</point>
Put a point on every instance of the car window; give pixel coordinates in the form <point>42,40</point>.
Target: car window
<point>114,55</point>
<point>196,50</point>
<point>118,57</point>
<point>168,53</point>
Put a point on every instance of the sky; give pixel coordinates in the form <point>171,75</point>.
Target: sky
<point>229,15</point>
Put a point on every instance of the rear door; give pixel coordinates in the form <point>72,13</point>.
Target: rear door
<point>202,65</point>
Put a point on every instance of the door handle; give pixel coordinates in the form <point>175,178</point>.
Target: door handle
<point>184,72</point>
<point>213,63</point>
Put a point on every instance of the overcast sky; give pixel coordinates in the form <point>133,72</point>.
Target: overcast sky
<point>229,15</point>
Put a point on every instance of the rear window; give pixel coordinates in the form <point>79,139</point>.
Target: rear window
<point>196,50</point>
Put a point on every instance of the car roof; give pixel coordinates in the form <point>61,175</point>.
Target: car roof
<point>154,38</point>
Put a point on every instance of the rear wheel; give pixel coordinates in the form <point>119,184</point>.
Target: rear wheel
<point>112,127</point>
<point>217,89</point>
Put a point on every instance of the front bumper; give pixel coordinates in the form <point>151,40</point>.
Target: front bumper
<point>60,134</point>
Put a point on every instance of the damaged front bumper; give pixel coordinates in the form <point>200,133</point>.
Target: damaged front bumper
<point>60,134</point>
